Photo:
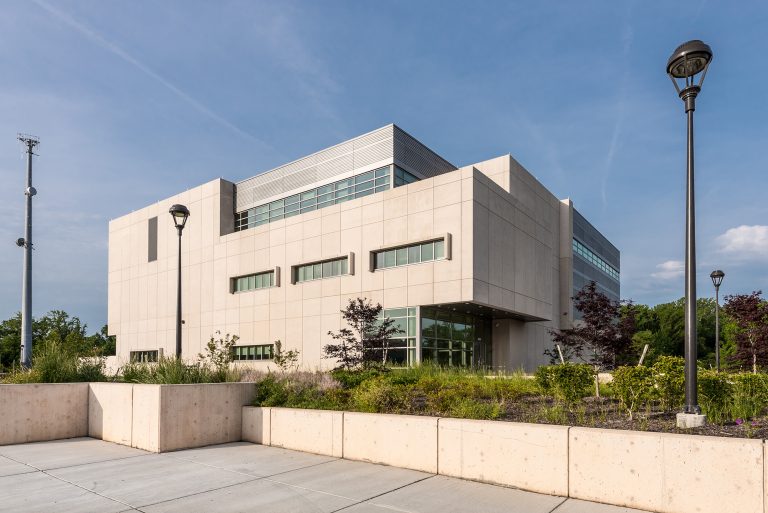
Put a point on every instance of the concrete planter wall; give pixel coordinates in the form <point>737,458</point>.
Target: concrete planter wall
<point>155,418</point>
<point>668,473</point>
<point>44,411</point>
<point>162,418</point>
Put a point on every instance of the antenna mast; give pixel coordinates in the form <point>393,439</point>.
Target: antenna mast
<point>29,142</point>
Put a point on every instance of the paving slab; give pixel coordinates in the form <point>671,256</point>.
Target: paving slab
<point>262,496</point>
<point>579,506</point>
<point>148,479</point>
<point>10,467</point>
<point>354,480</point>
<point>440,494</point>
<point>251,459</point>
<point>68,452</point>
<point>37,492</point>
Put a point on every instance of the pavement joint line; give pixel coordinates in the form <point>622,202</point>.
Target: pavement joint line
<point>247,474</point>
<point>96,462</point>
<point>199,493</point>
<point>385,493</point>
<point>89,490</point>
<point>565,499</point>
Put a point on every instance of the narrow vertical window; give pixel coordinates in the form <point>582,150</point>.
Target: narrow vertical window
<point>152,239</point>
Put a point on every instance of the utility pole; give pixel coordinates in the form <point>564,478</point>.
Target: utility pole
<point>30,142</point>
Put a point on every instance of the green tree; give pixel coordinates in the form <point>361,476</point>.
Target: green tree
<point>55,326</point>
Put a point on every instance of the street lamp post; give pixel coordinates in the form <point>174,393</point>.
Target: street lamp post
<point>717,279</point>
<point>688,61</point>
<point>180,213</point>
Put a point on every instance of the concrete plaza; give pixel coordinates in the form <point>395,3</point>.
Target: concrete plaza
<point>82,475</point>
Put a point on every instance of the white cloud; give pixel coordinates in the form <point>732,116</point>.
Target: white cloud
<point>745,242</point>
<point>669,270</point>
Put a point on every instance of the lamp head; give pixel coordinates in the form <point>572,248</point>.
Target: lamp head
<point>717,277</point>
<point>180,213</point>
<point>687,61</point>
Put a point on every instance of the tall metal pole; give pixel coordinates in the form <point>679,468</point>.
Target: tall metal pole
<point>26,243</point>
<point>717,327</point>
<point>178,303</point>
<point>688,95</point>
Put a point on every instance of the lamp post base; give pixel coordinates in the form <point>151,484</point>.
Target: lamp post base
<point>690,420</point>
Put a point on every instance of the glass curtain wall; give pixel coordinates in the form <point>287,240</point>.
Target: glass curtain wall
<point>454,339</point>
<point>402,348</point>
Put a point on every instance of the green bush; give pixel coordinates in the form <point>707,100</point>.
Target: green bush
<point>567,382</point>
<point>633,386</point>
<point>52,363</point>
<point>352,378</point>
<point>750,395</point>
<point>669,380</point>
<point>716,395</point>
<point>174,371</point>
<point>379,395</point>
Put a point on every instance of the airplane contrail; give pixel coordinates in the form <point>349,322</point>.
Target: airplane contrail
<point>113,48</point>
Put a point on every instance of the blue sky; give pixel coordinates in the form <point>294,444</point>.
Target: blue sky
<point>134,101</point>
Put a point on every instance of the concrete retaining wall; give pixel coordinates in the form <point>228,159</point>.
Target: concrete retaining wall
<point>164,418</point>
<point>257,427</point>
<point>155,418</point>
<point>664,472</point>
<point>200,415</point>
<point>400,440</point>
<point>43,411</point>
<point>316,431</point>
<point>529,456</point>
<point>110,412</point>
<point>668,473</point>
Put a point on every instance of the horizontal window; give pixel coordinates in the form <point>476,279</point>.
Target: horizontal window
<point>320,270</point>
<point>376,180</point>
<point>412,254</point>
<point>261,352</point>
<point>253,281</point>
<point>403,177</point>
<point>587,254</point>
<point>143,356</point>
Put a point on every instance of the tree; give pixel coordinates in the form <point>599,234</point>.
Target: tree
<point>55,326</point>
<point>366,341</point>
<point>219,353</point>
<point>285,360</point>
<point>749,313</point>
<point>603,337</point>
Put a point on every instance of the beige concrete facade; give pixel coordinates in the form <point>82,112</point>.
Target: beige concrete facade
<point>508,255</point>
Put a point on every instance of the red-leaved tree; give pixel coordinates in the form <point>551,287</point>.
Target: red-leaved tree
<point>750,314</point>
<point>603,336</point>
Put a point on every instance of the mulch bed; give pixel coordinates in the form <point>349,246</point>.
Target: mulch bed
<point>604,413</point>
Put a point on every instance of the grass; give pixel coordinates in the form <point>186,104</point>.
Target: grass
<point>51,363</point>
<point>172,371</point>
<point>422,390</point>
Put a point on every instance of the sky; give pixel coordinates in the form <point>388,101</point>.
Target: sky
<point>137,100</point>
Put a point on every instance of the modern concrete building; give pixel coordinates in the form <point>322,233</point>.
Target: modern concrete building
<point>476,263</point>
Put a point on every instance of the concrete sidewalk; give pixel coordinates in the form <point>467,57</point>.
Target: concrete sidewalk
<point>82,475</point>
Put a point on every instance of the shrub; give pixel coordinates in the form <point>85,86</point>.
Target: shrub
<point>633,386</point>
<point>750,395</point>
<point>352,378</point>
<point>715,395</point>
<point>379,395</point>
<point>285,360</point>
<point>567,382</point>
<point>301,390</point>
<point>52,363</point>
<point>175,371</point>
<point>669,381</point>
<point>218,354</point>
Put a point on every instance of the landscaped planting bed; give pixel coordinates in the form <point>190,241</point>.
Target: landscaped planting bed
<point>561,394</point>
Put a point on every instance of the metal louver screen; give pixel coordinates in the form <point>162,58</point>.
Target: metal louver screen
<point>383,146</point>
